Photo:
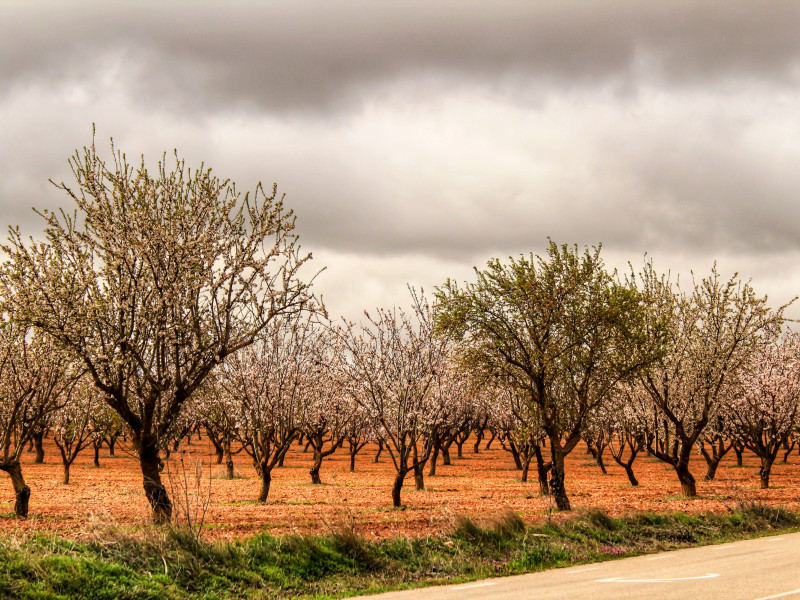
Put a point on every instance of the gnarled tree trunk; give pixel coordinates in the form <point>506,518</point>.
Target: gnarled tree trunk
<point>542,468</point>
<point>688,483</point>
<point>266,480</point>
<point>557,489</point>
<point>434,459</point>
<point>97,446</point>
<point>21,491</point>
<point>397,487</point>
<point>38,443</point>
<point>154,490</point>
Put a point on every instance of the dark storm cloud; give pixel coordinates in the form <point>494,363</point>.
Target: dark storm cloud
<point>306,55</point>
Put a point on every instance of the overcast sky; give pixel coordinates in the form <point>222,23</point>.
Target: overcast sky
<point>417,139</point>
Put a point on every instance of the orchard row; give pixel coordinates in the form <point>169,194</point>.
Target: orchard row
<point>169,302</point>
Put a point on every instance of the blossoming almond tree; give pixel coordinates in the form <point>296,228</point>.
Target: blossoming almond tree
<point>390,366</point>
<point>106,426</point>
<point>35,380</point>
<point>711,335</point>
<point>152,282</point>
<point>266,385</point>
<point>627,420</point>
<point>766,408</point>
<point>328,408</point>
<point>212,406</point>
<point>326,419</point>
<point>453,395</point>
<point>72,423</point>
<point>358,432</point>
<point>717,439</point>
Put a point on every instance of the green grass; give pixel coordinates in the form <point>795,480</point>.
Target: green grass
<point>170,563</point>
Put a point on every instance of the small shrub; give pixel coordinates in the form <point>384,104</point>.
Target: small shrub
<point>509,525</point>
<point>601,519</point>
<point>466,529</point>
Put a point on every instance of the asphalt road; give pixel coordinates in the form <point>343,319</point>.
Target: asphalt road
<point>761,569</point>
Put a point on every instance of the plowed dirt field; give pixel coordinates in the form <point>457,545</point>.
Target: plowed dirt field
<point>478,485</point>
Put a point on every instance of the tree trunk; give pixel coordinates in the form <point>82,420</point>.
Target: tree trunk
<point>688,484</point>
<point>599,459</point>
<point>711,472</point>
<point>217,443</point>
<point>434,459</point>
<point>515,453</point>
<point>378,453</point>
<point>320,454</point>
<point>556,482</point>
<point>154,490</point>
<point>226,445</point>
<point>544,485</point>
<point>266,480</point>
<point>557,488</point>
<point>97,453</point>
<point>631,477</point>
<point>419,478</point>
<point>398,485</point>
<point>635,447</point>
<point>739,451</point>
<point>788,452</point>
<point>764,471</point>
<point>355,448</point>
<point>21,491</point>
<point>542,469</point>
<point>446,453</point>
<point>476,448</point>
<point>112,442</point>
<point>66,473</point>
<point>491,439</point>
<point>718,451</point>
<point>315,467</point>
<point>38,443</point>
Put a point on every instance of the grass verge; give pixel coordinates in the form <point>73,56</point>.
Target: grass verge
<point>167,564</point>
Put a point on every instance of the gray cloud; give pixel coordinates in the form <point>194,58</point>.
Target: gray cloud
<point>414,140</point>
<point>297,56</point>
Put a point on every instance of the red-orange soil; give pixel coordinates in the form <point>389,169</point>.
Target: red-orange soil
<point>478,485</point>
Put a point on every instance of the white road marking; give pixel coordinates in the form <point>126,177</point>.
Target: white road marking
<point>473,585</point>
<point>662,557</point>
<point>780,538</point>
<point>664,580</point>
<point>723,547</point>
<point>783,595</point>
<point>582,570</point>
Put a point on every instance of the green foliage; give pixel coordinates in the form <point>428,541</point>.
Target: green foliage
<point>559,330</point>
